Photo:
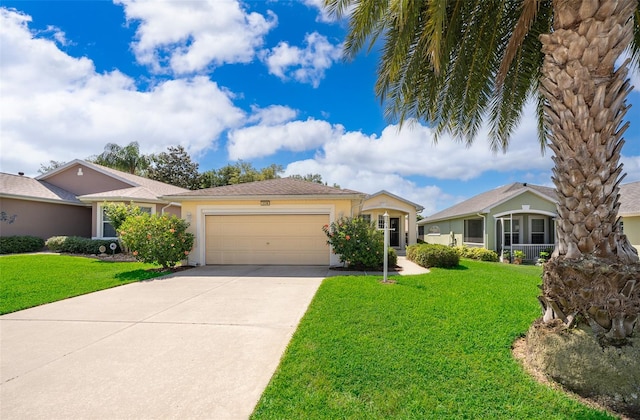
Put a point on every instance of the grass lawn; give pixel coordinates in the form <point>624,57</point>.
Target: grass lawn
<point>434,346</point>
<point>34,279</point>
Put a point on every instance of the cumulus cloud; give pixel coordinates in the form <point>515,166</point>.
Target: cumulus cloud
<point>55,105</point>
<point>305,65</point>
<point>191,36</point>
<point>431,197</point>
<point>265,140</point>
<point>272,115</point>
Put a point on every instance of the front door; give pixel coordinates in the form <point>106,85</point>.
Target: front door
<point>394,235</point>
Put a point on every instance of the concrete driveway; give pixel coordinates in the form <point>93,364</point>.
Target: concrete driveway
<point>201,344</point>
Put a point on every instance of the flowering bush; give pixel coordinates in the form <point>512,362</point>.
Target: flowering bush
<point>157,239</point>
<point>358,243</point>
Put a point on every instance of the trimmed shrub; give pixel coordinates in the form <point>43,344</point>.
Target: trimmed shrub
<point>433,255</point>
<point>79,245</point>
<point>392,259</point>
<point>358,243</point>
<point>477,253</point>
<point>162,240</point>
<point>20,244</point>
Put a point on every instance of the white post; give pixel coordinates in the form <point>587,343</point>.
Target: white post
<point>386,245</point>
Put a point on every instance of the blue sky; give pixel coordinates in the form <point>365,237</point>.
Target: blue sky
<point>258,81</point>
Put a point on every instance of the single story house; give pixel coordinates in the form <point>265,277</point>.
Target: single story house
<point>69,200</point>
<point>518,216</point>
<point>279,221</point>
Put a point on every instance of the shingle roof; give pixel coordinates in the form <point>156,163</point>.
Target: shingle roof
<point>630,199</point>
<point>157,187</point>
<point>133,193</point>
<point>25,187</point>
<point>488,199</point>
<point>271,187</point>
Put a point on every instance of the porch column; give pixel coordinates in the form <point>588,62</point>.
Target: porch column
<point>412,228</point>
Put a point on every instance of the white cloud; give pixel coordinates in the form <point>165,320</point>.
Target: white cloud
<point>430,197</point>
<point>272,115</point>
<point>57,107</point>
<point>265,140</point>
<point>306,65</point>
<point>323,14</point>
<point>193,35</point>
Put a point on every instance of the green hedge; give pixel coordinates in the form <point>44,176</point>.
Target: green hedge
<point>20,244</point>
<point>433,255</point>
<point>477,253</point>
<point>79,245</point>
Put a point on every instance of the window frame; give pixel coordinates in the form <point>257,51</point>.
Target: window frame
<point>544,232</point>
<point>465,234</point>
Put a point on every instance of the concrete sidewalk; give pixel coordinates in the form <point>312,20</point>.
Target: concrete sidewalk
<point>202,344</point>
<point>404,268</point>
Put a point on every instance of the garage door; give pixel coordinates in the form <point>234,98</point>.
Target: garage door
<point>295,239</point>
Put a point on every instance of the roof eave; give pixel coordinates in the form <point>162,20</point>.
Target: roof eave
<point>42,199</point>
<point>263,197</point>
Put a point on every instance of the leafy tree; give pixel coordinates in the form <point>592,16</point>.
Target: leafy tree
<point>239,173</point>
<point>127,158</point>
<point>175,167</point>
<point>357,243</point>
<point>454,63</point>
<point>157,239</point>
<point>317,178</point>
<point>48,167</point>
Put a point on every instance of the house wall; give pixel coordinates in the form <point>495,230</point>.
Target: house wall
<point>44,219</point>
<point>439,232</point>
<point>632,230</point>
<point>194,212</point>
<point>91,181</point>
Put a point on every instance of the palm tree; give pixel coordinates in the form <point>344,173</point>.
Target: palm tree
<point>455,64</point>
<point>127,158</point>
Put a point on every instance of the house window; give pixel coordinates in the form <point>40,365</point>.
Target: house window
<point>474,231</point>
<point>366,217</point>
<point>421,230</point>
<point>380,221</point>
<point>107,229</point>
<point>508,234</point>
<point>538,231</point>
<point>433,230</point>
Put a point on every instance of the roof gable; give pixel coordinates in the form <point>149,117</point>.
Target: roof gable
<point>382,193</point>
<point>484,202</point>
<point>103,180</point>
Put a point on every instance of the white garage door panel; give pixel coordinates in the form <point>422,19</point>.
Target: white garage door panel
<point>267,239</point>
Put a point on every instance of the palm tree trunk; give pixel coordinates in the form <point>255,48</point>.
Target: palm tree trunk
<point>594,273</point>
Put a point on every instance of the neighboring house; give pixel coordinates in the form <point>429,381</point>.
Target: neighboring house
<point>516,216</point>
<point>69,200</point>
<point>279,221</point>
<point>630,212</point>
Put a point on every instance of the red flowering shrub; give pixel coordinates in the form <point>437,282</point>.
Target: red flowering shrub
<point>157,239</point>
<point>358,243</point>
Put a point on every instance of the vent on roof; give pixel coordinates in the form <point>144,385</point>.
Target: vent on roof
<point>21,173</point>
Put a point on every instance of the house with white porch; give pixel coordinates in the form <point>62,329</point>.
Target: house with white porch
<point>518,216</point>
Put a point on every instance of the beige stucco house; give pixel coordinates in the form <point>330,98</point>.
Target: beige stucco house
<point>518,216</point>
<point>69,200</point>
<point>280,221</point>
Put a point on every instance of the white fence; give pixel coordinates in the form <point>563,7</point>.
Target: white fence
<point>531,252</point>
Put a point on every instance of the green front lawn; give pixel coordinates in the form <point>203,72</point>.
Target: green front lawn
<point>35,279</point>
<point>434,346</point>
